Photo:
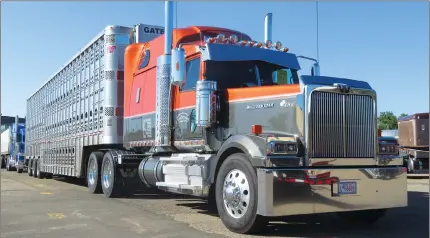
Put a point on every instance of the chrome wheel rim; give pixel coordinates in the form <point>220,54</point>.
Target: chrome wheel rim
<point>107,174</point>
<point>236,193</point>
<point>92,172</point>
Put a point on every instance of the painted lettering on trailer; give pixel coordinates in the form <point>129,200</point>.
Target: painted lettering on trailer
<point>153,30</point>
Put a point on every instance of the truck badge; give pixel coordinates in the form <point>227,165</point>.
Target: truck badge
<point>260,106</point>
<point>284,103</point>
<point>343,88</point>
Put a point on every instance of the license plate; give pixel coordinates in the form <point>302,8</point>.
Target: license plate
<point>347,188</point>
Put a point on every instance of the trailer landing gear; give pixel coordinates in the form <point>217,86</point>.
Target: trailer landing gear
<point>236,195</point>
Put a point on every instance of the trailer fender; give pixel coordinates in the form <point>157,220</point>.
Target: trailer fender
<point>251,146</point>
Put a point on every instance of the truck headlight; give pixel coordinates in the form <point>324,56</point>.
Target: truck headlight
<point>388,149</point>
<point>280,147</point>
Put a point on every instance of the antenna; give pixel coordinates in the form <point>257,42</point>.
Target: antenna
<point>176,20</point>
<point>318,50</point>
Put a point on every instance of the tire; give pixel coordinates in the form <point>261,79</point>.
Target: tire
<point>3,162</point>
<point>109,177</point>
<point>34,167</point>
<point>19,171</point>
<point>30,168</point>
<point>241,215</point>
<point>39,174</point>
<point>93,172</point>
<point>48,176</point>
<point>365,217</point>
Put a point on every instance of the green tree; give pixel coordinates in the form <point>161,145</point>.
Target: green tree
<point>403,115</point>
<point>387,121</point>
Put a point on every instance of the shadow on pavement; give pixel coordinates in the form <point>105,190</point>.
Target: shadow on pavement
<point>411,221</point>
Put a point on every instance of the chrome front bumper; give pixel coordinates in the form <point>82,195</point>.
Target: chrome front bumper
<point>284,192</point>
<point>20,164</point>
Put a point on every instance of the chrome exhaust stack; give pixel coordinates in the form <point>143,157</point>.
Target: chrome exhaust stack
<point>268,28</point>
<point>163,90</point>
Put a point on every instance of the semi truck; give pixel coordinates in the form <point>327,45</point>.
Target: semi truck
<point>13,147</point>
<point>413,132</point>
<point>210,112</point>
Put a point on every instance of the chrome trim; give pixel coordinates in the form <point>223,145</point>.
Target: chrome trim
<point>309,89</point>
<point>283,192</point>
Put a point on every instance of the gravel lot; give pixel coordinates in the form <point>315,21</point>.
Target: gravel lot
<point>58,208</point>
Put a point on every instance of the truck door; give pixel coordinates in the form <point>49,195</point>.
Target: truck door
<point>184,102</point>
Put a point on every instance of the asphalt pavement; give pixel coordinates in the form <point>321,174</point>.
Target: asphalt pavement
<point>53,208</point>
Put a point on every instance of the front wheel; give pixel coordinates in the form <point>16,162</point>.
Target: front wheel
<point>236,195</point>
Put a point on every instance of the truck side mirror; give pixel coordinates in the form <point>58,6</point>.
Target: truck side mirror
<point>315,71</point>
<point>178,72</point>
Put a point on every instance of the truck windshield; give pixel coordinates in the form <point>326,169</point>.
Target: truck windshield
<point>237,74</point>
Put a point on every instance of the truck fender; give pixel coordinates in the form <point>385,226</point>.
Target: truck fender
<point>250,145</point>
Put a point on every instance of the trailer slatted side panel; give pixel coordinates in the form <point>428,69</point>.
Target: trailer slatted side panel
<point>66,113</point>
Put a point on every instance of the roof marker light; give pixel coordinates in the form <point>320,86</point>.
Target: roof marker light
<point>234,39</point>
<point>220,38</point>
<point>210,40</point>
<point>268,44</point>
<point>243,43</point>
<point>278,45</point>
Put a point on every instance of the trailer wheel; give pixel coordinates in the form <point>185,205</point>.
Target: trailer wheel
<point>364,217</point>
<point>93,172</point>
<point>30,168</point>
<point>109,177</point>
<point>236,195</point>
<point>34,166</point>
<point>39,174</point>
<point>3,162</point>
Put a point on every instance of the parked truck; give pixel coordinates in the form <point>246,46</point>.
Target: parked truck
<point>208,112</point>
<point>414,142</point>
<point>13,147</point>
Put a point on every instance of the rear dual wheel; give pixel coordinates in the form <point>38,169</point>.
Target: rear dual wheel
<point>39,174</point>
<point>110,178</point>
<point>93,172</point>
<point>103,176</point>
<point>30,168</point>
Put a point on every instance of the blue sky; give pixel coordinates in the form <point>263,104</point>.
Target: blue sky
<point>384,43</point>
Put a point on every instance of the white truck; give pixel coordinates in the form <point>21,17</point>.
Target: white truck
<point>5,146</point>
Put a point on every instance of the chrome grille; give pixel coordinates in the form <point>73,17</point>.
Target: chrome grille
<point>341,126</point>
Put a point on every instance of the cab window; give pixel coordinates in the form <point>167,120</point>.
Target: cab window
<point>145,59</point>
<point>192,76</point>
<point>283,76</point>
